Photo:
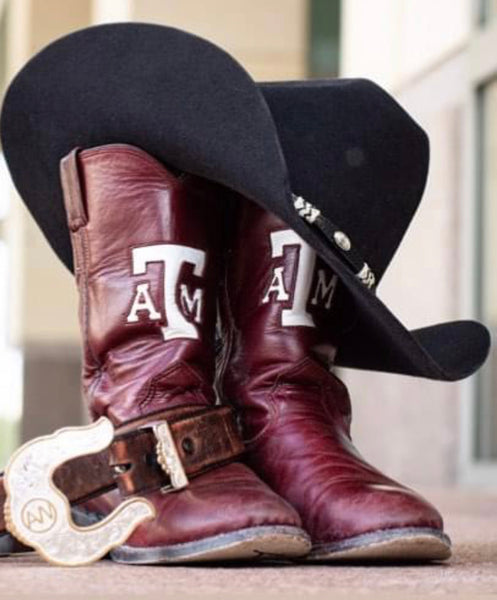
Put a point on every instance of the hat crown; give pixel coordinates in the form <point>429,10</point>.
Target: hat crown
<point>356,157</point>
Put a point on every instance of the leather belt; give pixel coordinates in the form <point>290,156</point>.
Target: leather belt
<point>160,451</point>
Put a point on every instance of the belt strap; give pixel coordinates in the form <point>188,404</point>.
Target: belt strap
<point>202,439</point>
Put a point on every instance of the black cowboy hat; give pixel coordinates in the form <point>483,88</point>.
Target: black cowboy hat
<point>339,161</point>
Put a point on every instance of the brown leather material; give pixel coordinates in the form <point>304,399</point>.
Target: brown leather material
<point>204,439</point>
<point>148,252</point>
<point>296,413</point>
<point>223,500</point>
<point>120,200</point>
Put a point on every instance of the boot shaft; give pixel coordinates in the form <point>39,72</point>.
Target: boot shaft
<point>147,258</point>
<point>280,302</point>
<point>285,312</point>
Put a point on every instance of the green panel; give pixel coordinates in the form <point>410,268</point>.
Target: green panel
<point>324,38</point>
<point>9,439</point>
<point>488,10</point>
<point>486,235</point>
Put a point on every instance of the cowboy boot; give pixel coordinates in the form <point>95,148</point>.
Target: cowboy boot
<point>281,317</point>
<point>147,256</point>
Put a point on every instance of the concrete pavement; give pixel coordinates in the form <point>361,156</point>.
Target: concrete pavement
<point>471,520</point>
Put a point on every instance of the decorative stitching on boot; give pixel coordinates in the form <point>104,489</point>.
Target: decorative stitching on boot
<point>151,392</point>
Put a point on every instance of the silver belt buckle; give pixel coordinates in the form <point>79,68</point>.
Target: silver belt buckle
<point>168,458</point>
<point>39,515</point>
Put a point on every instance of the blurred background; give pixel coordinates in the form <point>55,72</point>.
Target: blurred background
<point>439,59</point>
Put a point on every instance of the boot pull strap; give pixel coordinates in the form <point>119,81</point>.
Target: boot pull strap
<point>73,194</point>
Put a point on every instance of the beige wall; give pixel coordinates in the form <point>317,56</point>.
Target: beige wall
<point>419,50</point>
<point>392,41</point>
<point>268,38</point>
<point>42,298</point>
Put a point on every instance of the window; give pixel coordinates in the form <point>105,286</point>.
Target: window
<point>486,406</point>
<point>488,10</point>
<point>324,38</point>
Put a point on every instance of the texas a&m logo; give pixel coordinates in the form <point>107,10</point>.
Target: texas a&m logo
<point>172,257</point>
<point>181,302</point>
<point>303,290</point>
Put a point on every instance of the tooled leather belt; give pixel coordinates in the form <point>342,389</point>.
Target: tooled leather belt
<point>197,439</point>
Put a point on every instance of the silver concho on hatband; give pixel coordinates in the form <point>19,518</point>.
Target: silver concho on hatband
<point>313,215</point>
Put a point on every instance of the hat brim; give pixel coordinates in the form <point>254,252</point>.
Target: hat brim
<point>378,341</point>
<point>192,106</point>
<point>177,96</point>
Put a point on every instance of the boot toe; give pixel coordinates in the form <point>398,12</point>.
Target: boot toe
<point>225,500</point>
<point>373,507</point>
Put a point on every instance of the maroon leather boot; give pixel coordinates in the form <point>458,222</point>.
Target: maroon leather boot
<point>281,316</point>
<point>147,254</point>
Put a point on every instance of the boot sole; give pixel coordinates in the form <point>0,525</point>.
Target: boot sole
<point>255,543</point>
<point>409,544</point>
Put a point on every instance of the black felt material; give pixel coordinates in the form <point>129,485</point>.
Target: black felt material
<point>179,97</point>
<point>344,145</point>
<point>353,152</point>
